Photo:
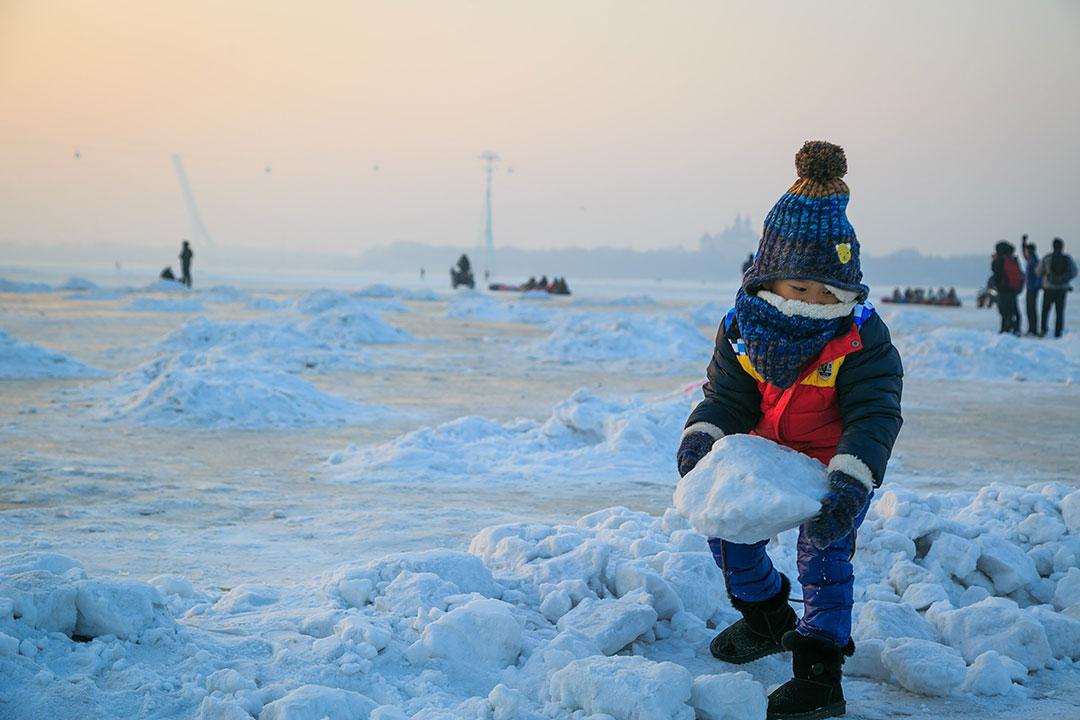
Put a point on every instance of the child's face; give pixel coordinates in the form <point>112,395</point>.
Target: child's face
<point>809,291</point>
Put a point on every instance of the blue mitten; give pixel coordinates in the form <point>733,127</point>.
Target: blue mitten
<point>846,499</point>
<point>693,447</point>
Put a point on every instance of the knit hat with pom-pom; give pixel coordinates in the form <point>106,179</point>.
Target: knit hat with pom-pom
<point>807,234</point>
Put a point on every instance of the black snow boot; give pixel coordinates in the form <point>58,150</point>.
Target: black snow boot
<point>759,631</point>
<point>814,692</point>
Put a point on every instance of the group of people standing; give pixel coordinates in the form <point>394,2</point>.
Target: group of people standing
<point>1052,275</point>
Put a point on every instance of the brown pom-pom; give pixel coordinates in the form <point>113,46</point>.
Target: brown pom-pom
<point>821,161</point>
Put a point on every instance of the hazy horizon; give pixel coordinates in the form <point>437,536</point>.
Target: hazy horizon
<point>627,124</point>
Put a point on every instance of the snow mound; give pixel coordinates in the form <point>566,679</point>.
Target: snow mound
<point>224,294</point>
<point>923,666</point>
<point>353,327</point>
<point>323,301</point>
<point>315,702</point>
<point>476,306</point>
<point>481,632</point>
<point>625,688</point>
<point>786,488</point>
<point>955,353</point>
<point>146,304</point>
<point>97,294</point>
<point>52,594</point>
<point>584,438</point>
<point>77,283</point>
<point>624,301</point>
<point>165,285</point>
<point>197,390</point>
<point>324,342</point>
<point>711,314</point>
<point>20,361</point>
<point>381,291</point>
<point>16,286</point>
<point>621,336</point>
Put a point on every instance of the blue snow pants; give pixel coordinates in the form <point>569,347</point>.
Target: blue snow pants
<point>826,576</point>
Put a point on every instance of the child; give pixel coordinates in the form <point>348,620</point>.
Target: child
<point>803,360</point>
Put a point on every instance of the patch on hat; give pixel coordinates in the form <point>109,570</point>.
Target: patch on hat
<point>843,251</point>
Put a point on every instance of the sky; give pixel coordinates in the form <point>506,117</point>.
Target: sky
<point>622,123</point>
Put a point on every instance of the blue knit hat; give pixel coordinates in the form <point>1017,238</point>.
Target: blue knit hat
<point>807,234</point>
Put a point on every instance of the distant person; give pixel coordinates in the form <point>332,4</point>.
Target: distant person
<point>1056,271</point>
<point>422,273</point>
<point>908,295</point>
<point>951,298</point>
<point>542,283</point>
<point>462,274</point>
<point>185,263</point>
<point>530,284</point>
<point>801,361</point>
<point>1009,281</point>
<point>1033,284</point>
<point>748,264</point>
<point>896,296</point>
<point>167,273</point>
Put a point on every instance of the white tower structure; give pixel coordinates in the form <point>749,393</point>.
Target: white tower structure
<point>490,160</point>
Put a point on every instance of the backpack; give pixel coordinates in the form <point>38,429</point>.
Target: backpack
<point>1011,269</point>
<point>1059,269</point>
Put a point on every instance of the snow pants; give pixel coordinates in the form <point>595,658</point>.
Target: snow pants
<point>826,576</point>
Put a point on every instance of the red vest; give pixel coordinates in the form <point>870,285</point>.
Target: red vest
<point>806,416</point>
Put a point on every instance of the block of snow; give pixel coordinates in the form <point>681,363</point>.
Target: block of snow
<point>1062,631</point>
<point>728,696</point>
<point>217,708</point>
<point>996,624</point>
<point>315,702</point>
<point>956,555</point>
<point>988,675</point>
<point>1038,528</point>
<point>355,629</point>
<point>410,591</point>
<point>1067,592</point>
<point>247,596</point>
<point>632,575</point>
<point>611,623</point>
<point>695,577</point>
<point>228,681</point>
<point>173,585</point>
<point>121,608</point>
<point>41,599</point>
<point>923,666</point>
<point>922,595</point>
<point>356,591</point>
<point>465,570</point>
<point>905,573</point>
<point>1006,564</point>
<point>624,687</point>
<point>749,488</point>
<point>481,632</point>
<point>8,645</point>
<point>1070,511</point>
<point>866,662</point>
<point>884,620</point>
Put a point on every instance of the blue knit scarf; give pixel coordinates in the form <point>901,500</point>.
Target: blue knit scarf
<point>780,345</point>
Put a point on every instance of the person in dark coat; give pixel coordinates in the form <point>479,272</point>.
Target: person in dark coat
<point>1056,272</point>
<point>1009,281</point>
<point>1032,283</point>
<point>804,351</point>
<point>185,263</point>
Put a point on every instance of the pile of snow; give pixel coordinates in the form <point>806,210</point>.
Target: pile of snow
<point>77,283</point>
<point>477,306</point>
<point>711,313</point>
<point>356,326</point>
<point>49,593</point>
<point>323,342</point>
<point>224,294</point>
<point>955,353</point>
<point>583,439</point>
<point>167,286</point>
<point>904,320</point>
<point>199,390</point>
<point>622,336</point>
<point>786,487</point>
<point>16,286</point>
<point>268,304</point>
<point>20,360</point>
<point>150,304</point>
<point>381,291</point>
<point>957,596</point>
<point>318,302</point>
<point>625,301</point>
<point>98,294</point>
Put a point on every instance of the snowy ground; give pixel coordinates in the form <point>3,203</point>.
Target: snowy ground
<point>307,502</point>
